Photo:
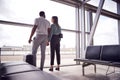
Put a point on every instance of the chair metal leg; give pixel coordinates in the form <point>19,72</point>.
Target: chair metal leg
<point>83,69</point>
<point>87,64</point>
<point>95,68</point>
<point>109,72</point>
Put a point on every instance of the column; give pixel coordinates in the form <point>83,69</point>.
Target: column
<point>77,33</point>
<point>89,24</point>
<point>83,38</point>
<point>118,11</point>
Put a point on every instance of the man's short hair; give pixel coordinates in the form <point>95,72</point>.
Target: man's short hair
<point>42,13</point>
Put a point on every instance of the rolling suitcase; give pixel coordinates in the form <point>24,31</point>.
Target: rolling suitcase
<point>29,59</point>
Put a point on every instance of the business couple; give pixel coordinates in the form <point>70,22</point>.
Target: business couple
<point>46,33</point>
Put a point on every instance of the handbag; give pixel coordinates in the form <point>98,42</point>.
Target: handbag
<point>60,35</point>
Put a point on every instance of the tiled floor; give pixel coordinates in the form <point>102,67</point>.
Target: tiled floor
<point>75,73</point>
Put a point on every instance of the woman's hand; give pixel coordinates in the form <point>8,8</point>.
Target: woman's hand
<point>47,43</point>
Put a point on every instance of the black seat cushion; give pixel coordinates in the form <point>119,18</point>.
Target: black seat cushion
<point>111,53</point>
<point>17,69</point>
<point>93,52</point>
<point>34,75</point>
<point>12,64</point>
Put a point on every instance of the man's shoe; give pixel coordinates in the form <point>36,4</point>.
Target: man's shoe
<point>41,69</point>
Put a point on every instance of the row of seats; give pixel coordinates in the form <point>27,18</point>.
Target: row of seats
<point>109,53</point>
<point>104,55</point>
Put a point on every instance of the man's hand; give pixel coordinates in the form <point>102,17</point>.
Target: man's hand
<point>29,41</point>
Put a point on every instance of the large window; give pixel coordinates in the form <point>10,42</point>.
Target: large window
<point>14,38</point>
<point>14,44</point>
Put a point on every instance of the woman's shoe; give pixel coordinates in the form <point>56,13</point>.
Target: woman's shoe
<point>58,69</point>
<point>51,69</point>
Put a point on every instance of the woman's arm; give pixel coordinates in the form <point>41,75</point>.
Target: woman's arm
<point>51,33</point>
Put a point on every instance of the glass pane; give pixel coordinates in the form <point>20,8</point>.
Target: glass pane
<point>108,5</point>
<point>25,11</point>
<point>106,32</point>
<point>14,35</point>
<point>14,42</point>
<point>68,47</point>
<point>94,2</point>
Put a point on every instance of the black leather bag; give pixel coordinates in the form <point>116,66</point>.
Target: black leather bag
<point>60,35</point>
<point>29,59</point>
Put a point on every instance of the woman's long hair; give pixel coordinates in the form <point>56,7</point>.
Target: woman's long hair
<point>55,18</point>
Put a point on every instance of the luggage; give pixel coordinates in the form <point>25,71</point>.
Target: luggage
<point>29,59</point>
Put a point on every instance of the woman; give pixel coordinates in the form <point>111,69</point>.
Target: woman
<point>54,39</point>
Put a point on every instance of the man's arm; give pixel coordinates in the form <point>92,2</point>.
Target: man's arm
<point>32,33</point>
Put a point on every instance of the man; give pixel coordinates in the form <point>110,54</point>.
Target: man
<point>41,27</point>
